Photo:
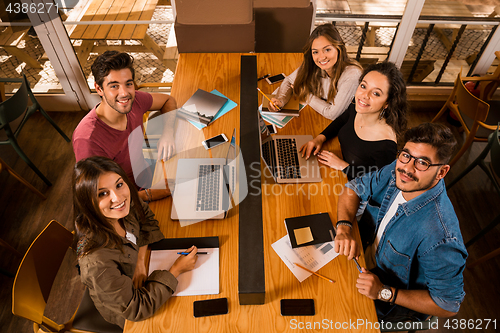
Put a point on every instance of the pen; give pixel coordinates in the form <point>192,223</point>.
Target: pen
<point>318,275</point>
<point>164,172</point>
<point>277,108</point>
<point>263,77</point>
<point>357,265</point>
<point>186,253</point>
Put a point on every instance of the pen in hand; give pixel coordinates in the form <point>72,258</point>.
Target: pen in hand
<point>186,253</point>
<point>357,265</point>
<point>275,106</point>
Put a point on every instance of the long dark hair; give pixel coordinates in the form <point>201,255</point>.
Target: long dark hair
<point>309,76</point>
<point>93,229</point>
<point>396,113</point>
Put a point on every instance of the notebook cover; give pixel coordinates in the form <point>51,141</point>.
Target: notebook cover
<point>290,109</point>
<point>320,225</point>
<point>185,243</point>
<point>202,106</point>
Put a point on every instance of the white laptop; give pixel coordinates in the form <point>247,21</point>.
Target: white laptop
<point>281,155</point>
<point>203,186</point>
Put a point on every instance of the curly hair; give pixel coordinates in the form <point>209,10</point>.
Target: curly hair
<point>111,60</point>
<point>93,229</point>
<point>437,135</point>
<point>309,76</point>
<point>396,113</point>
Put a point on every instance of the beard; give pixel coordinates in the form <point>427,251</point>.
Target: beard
<point>417,186</point>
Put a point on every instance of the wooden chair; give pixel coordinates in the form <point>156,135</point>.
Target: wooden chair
<point>493,172</point>
<point>488,256</point>
<point>34,280</point>
<point>473,114</point>
<point>14,112</point>
<point>488,84</point>
<point>4,165</point>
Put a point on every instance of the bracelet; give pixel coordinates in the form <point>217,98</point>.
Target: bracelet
<point>394,297</point>
<point>148,195</point>
<point>343,222</point>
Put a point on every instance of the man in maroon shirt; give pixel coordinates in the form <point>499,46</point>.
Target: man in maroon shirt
<point>106,129</point>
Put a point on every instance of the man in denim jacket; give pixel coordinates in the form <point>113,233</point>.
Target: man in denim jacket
<point>414,249</point>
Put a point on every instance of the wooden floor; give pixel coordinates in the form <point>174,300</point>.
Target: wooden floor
<point>24,215</point>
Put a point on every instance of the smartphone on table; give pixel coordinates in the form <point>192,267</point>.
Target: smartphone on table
<point>214,141</point>
<point>275,78</point>
<point>297,307</point>
<point>210,307</point>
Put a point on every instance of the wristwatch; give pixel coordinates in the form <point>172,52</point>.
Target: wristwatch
<point>385,294</point>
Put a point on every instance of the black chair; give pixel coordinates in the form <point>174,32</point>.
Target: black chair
<point>493,172</point>
<point>14,112</point>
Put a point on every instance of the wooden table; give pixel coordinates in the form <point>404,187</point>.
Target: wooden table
<point>337,303</point>
<point>116,10</point>
<point>10,37</point>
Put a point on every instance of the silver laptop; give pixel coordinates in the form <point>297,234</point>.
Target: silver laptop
<point>203,186</point>
<point>281,155</point>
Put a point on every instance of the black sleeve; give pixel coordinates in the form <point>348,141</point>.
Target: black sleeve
<point>380,158</point>
<point>333,129</point>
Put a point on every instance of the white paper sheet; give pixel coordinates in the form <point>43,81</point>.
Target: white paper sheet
<point>312,256</point>
<point>202,280</point>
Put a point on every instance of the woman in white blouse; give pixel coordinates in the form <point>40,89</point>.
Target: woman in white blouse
<point>327,79</point>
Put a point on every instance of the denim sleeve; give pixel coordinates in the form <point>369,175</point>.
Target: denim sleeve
<point>369,183</point>
<point>445,276</point>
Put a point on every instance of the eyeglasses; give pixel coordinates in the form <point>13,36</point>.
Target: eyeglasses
<point>419,163</point>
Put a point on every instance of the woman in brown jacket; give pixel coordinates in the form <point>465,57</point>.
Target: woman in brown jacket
<point>114,228</point>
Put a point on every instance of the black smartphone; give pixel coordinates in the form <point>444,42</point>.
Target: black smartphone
<point>272,129</point>
<point>210,307</point>
<point>297,307</point>
<point>275,78</point>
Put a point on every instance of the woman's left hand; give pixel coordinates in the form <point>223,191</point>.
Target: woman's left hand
<point>331,160</point>
<point>139,275</point>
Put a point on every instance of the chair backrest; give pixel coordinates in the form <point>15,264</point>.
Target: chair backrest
<point>15,106</point>
<point>495,152</point>
<point>488,88</point>
<point>37,271</point>
<point>471,108</point>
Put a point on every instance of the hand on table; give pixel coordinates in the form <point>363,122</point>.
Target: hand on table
<point>330,159</point>
<point>345,243</point>
<point>313,146</point>
<point>166,146</point>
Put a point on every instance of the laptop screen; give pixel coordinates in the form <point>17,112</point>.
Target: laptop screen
<point>231,152</point>
<point>266,147</point>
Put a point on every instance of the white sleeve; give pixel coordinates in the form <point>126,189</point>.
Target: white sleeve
<point>348,83</point>
<point>285,91</point>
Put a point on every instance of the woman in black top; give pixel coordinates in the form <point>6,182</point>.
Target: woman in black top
<point>369,129</point>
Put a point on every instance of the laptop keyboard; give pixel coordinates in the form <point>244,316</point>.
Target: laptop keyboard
<point>288,159</point>
<point>208,188</point>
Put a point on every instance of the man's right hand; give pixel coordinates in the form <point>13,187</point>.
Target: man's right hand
<point>345,243</point>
